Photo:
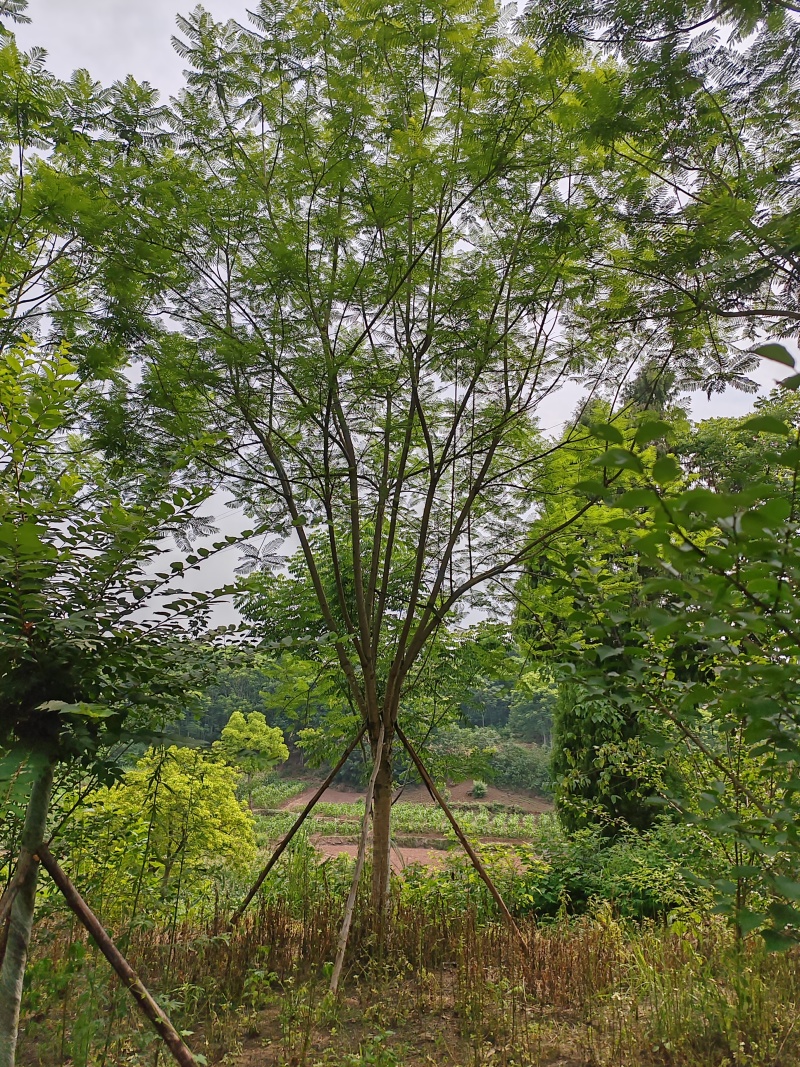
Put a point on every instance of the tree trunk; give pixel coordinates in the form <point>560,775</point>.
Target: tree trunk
<point>351,899</point>
<point>21,921</point>
<point>382,837</point>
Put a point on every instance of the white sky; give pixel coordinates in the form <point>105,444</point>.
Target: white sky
<point>113,38</point>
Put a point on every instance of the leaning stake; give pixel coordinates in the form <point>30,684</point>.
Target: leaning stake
<point>473,855</point>
<point>23,864</point>
<point>148,1006</point>
<point>344,933</point>
<point>276,855</point>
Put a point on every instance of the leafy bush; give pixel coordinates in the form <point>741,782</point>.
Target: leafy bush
<point>479,788</point>
<point>519,766</point>
<point>462,752</point>
<point>641,875</point>
<point>249,743</point>
<point>170,826</point>
<point>555,873</point>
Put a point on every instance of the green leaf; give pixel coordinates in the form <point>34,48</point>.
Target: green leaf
<point>766,424</point>
<point>607,432</point>
<point>652,431</point>
<point>590,487</point>
<point>622,523</point>
<point>636,498</point>
<point>777,353</point>
<point>786,887</point>
<point>777,942</point>
<point>747,920</point>
<point>619,457</point>
<point>792,382</point>
<point>784,914</point>
<point>666,469</point>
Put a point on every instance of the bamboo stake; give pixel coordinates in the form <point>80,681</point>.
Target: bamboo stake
<point>476,862</point>
<point>24,861</point>
<point>344,933</point>
<point>276,855</point>
<point>147,1005</point>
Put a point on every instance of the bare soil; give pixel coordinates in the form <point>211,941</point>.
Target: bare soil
<point>397,1028</point>
<point>402,855</point>
<point>522,800</point>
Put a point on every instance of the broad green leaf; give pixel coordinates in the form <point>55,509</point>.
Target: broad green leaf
<point>747,920</point>
<point>606,431</point>
<point>666,469</point>
<point>787,887</point>
<point>636,498</point>
<point>653,431</point>
<point>766,424</point>
<point>775,352</point>
<point>619,457</point>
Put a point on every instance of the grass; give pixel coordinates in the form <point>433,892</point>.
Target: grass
<point>451,987</point>
<point>623,963</point>
<point>272,791</point>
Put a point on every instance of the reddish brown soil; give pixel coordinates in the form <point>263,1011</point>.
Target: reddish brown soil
<point>418,794</point>
<point>460,794</point>
<point>402,856</point>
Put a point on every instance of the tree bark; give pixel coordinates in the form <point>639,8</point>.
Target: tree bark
<point>382,835</point>
<point>344,934</point>
<point>24,860</point>
<point>15,959</point>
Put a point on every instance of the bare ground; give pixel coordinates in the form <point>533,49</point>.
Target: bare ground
<point>402,855</point>
<point>522,800</point>
<point>401,1030</point>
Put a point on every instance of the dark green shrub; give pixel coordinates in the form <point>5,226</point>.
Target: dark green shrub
<point>519,766</point>
<point>606,774</point>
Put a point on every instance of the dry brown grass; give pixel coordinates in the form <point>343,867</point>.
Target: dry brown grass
<point>448,989</point>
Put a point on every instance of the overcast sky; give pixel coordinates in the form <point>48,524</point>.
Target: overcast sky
<point>113,38</point>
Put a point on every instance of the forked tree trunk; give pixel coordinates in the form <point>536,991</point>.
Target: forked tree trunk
<point>20,920</point>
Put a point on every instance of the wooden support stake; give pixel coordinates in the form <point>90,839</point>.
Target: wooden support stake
<point>276,855</point>
<point>147,1005</point>
<point>476,862</point>
<point>344,933</point>
<point>24,860</point>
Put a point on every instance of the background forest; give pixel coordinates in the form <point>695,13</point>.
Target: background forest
<point>477,741</point>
